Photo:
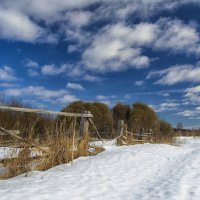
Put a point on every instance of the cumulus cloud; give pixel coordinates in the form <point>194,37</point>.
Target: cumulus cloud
<point>176,36</point>
<point>74,86</point>
<point>120,46</point>
<point>15,25</point>
<point>37,91</point>
<point>20,20</point>
<point>38,9</point>
<point>139,83</point>
<point>33,73</point>
<point>33,67</point>
<point>42,94</point>
<point>31,64</point>
<point>52,70</point>
<point>192,95</point>
<point>68,70</point>
<point>117,46</point>
<point>79,18</point>
<point>92,78</point>
<point>67,99</point>
<point>7,74</point>
<point>176,74</point>
<point>194,113</point>
<point>168,106</point>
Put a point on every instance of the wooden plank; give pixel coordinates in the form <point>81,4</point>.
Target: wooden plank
<point>29,110</point>
<point>19,138</point>
<point>145,135</point>
<point>137,140</point>
<point>17,132</point>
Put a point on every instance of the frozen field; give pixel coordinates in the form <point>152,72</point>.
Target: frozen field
<point>139,172</point>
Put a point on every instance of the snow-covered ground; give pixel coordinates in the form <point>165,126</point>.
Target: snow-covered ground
<point>139,172</point>
<point>7,152</point>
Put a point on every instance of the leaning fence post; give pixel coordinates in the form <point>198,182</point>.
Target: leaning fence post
<point>84,126</point>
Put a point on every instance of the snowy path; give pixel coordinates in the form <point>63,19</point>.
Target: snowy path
<point>138,172</point>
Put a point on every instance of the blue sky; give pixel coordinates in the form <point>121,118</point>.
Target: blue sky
<point>53,52</point>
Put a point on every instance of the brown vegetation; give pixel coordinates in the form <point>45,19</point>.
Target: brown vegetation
<point>58,135</point>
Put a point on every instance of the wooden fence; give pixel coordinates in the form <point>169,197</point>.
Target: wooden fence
<point>126,137</point>
<point>86,119</point>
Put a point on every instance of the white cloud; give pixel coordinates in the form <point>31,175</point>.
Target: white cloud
<point>74,72</point>
<point>118,46</point>
<point>78,18</point>
<point>91,78</point>
<point>165,94</point>
<point>17,26</point>
<point>127,96</point>
<point>51,70</point>
<point>101,97</point>
<point>194,90</point>
<point>74,86</point>
<point>7,74</point>
<point>8,85</point>
<point>177,36</point>
<point>139,83</point>
<point>39,93</point>
<point>20,20</point>
<point>31,64</point>
<point>67,99</point>
<point>195,113</point>
<point>177,74</point>
<point>163,107</point>
<point>192,95</point>
<point>115,48</point>
<point>33,67</point>
<point>33,73</point>
<point>40,11</point>
<point>108,100</point>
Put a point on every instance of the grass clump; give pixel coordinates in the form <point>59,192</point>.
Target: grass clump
<point>19,162</point>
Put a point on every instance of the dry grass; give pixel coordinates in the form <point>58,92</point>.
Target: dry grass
<point>60,150</point>
<point>96,150</point>
<point>19,162</point>
<point>163,140</point>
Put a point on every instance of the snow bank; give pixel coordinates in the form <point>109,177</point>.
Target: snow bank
<point>141,172</point>
<point>187,141</point>
<point>105,143</point>
<point>11,152</point>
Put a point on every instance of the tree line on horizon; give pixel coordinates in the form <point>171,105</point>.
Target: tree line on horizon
<point>136,116</point>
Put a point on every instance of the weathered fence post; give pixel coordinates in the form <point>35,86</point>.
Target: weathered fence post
<point>141,133</point>
<point>84,126</point>
<point>120,127</point>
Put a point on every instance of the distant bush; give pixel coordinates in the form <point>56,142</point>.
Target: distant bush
<point>102,115</point>
<point>165,132</point>
<point>121,112</point>
<point>142,116</point>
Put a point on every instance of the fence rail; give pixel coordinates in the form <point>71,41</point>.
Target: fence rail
<point>29,110</point>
